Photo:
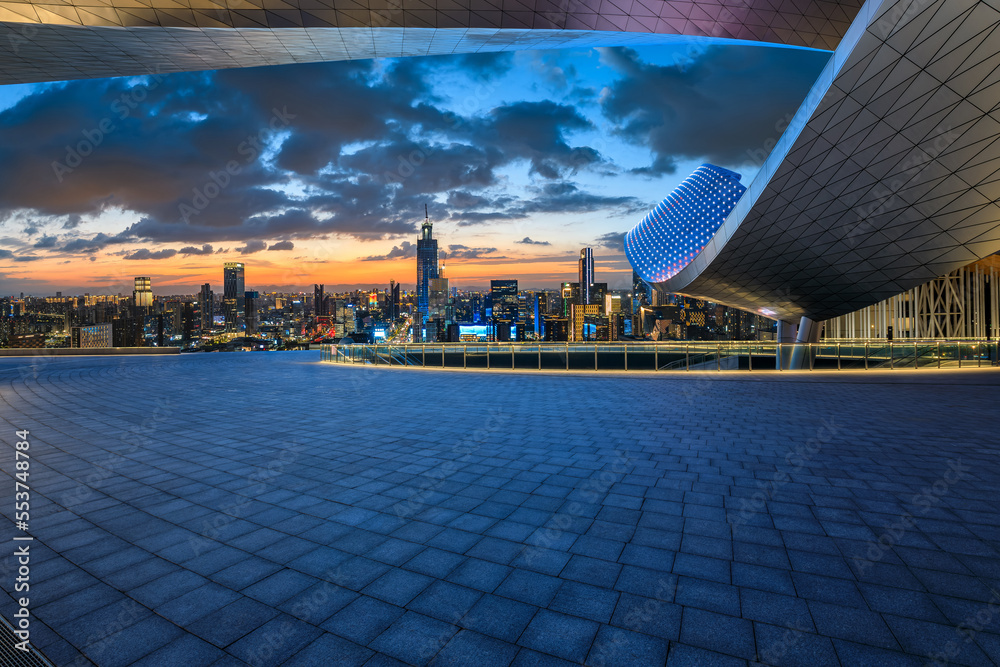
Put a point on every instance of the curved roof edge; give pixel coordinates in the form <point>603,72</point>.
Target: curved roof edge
<point>881,181</point>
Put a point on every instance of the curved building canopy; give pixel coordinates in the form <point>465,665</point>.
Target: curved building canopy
<point>50,40</point>
<point>888,177</point>
<point>673,233</point>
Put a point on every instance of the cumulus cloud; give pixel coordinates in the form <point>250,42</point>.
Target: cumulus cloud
<point>612,240</point>
<point>282,245</point>
<point>405,250</point>
<point>528,241</point>
<point>724,105</point>
<point>206,249</point>
<point>458,251</point>
<point>251,247</point>
<point>145,253</point>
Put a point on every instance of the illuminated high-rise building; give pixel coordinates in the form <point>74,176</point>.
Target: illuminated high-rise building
<point>250,309</point>
<point>319,307</point>
<point>392,307</point>
<point>233,293</point>
<point>206,301</point>
<point>586,277</point>
<point>570,295</point>
<point>142,295</point>
<point>427,266</point>
<point>504,296</point>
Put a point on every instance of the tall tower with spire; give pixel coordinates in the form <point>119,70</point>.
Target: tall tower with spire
<point>427,264</point>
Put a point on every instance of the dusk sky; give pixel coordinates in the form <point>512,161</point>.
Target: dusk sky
<point>522,158</point>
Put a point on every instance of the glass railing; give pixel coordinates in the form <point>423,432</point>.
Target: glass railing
<point>674,356</point>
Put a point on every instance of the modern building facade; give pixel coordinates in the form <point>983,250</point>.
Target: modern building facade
<point>94,335</point>
<point>585,274</point>
<point>250,304</point>
<point>503,294</point>
<point>142,294</point>
<point>319,300</point>
<point>673,233</point>
<point>392,304</point>
<point>234,290</point>
<point>885,179</point>
<point>45,40</point>
<point>206,304</point>
<point>427,266</point>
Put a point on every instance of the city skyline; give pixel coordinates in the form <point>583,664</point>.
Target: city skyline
<point>521,158</point>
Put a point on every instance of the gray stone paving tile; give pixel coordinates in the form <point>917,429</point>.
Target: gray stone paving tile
<point>557,634</point>
<point>539,540</point>
<point>185,650</point>
<point>414,638</point>
<point>362,620</point>
<point>274,642</point>
<point>445,601</point>
<point>224,626</point>
<point>329,649</point>
<point>498,617</point>
<point>718,632</point>
<point>788,645</point>
<point>471,648</point>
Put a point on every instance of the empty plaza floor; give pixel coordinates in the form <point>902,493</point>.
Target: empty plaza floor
<point>267,509</point>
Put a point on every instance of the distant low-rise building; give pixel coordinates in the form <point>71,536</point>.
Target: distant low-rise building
<point>92,335</point>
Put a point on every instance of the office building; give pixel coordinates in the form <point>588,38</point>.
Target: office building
<point>206,304</point>
<point>142,295</point>
<point>250,300</point>
<point>319,300</point>
<point>570,294</point>
<point>233,293</point>
<point>392,304</point>
<point>503,294</point>
<point>586,275</point>
<point>94,335</point>
<point>578,316</point>
<point>427,266</point>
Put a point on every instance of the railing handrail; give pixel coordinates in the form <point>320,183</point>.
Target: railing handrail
<point>628,355</point>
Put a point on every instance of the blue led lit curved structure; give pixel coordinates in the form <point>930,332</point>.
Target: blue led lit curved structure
<point>673,233</point>
<point>887,177</point>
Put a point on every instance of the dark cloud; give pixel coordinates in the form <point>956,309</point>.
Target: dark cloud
<point>724,106</point>
<point>458,251</point>
<point>527,241</point>
<point>5,254</point>
<point>555,197</point>
<point>405,250</point>
<point>282,245</point>
<point>356,149</point>
<point>191,250</point>
<point>144,253</point>
<point>251,247</point>
<point>612,240</point>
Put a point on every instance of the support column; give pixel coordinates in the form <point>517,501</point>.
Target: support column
<point>787,333</point>
<point>809,331</point>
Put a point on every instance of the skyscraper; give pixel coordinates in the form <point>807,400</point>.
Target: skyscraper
<point>586,274</point>
<point>504,296</point>
<point>570,293</point>
<point>142,295</point>
<point>318,295</point>
<point>427,265</point>
<point>233,293</point>
<point>206,301</point>
<point>393,305</point>
<point>640,292</point>
<point>250,308</point>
